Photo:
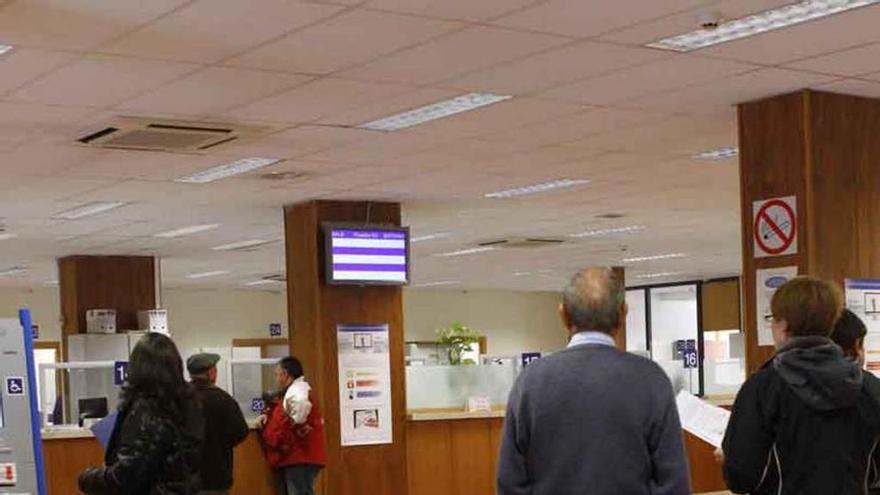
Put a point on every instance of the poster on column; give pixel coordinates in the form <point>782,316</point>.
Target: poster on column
<point>863,299</point>
<point>364,384</point>
<point>767,282</point>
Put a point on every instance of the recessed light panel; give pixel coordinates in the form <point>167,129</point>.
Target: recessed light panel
<point>465,252</point>
<point>5,49</point>
<point>609,232</point>
<point>215,273</point>
<point>87,210</point>
<point>719,154</point>
<point>224,171</point>
<point>656,257</point>
<point>769,20</point>
<point>537,188</point>
<point>434,111</point>
<point>430,237</point>
<point>184,231</point>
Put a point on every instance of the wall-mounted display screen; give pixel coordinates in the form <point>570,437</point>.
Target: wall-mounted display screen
<point>366,255</point>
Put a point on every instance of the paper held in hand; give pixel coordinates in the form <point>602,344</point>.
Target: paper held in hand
<point>701,419</point>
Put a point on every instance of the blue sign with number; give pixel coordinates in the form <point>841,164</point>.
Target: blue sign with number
<point>275,329</point>
<point>690,354</point>
<point>257,405</point>
<point>120,372</point>
<point>528,358</point>
<point>14,385</point>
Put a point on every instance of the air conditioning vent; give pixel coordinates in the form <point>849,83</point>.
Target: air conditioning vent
<point>166,135</point>
<point>523,242</point>
<point>278,277</point>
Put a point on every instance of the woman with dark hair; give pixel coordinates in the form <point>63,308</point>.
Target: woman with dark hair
<point>155,445</point>
<point>849,333</point>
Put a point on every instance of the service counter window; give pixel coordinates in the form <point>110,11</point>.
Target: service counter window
<point>674,324</point>
<point>89,391</point>
<point>637,322</point>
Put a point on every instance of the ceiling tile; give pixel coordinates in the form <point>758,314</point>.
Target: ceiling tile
<point>29,160</point>
<point>352,38</point>
<point>453,9</point>
<point>390,106</point>
<point>22,65</point>
<point>212,91</point>
<point>80,25</point>
<point>100,80</point>
<point>565,64</point>
<point>317,99</point>
<point>143,165</point>
<point>299,141</point>
<point>207,31</point>
<point>587,19</point>
<point>855,87</point>
<point>664,75</point>
<point>461,52</point>
<point>854,62</point>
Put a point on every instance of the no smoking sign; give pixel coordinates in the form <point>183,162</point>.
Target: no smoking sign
<point>775,227</point>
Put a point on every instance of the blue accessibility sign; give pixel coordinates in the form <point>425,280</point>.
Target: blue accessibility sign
<point>14,385</point>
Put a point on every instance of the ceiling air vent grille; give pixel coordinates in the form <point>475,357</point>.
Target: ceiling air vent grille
<point>278,277</point>
<point>166,135</point>
<point>523,242</point>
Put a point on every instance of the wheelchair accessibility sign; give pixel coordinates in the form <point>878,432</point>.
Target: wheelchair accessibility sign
<point>14,385</point>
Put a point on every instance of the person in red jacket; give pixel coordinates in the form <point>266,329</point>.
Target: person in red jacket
<point>292,431</point>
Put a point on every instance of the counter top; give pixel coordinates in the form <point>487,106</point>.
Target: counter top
<point>73,432</point>
<point>720,400</point>
<point>452,414</point>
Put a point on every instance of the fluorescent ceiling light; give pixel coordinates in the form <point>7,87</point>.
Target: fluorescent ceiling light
<point>611,231</point>
<point>537,188</point>
<point>719,154</point>
<point>439,284</point>
<point>192,229</point>
<point>50,282</point>
<point>5,49</point>
<point>769,20</point>
<point>88,210</point>
<point>434,111</point>
<point>207,274</point>
<point>237,167</point>
<point>256,283</point>
<point>5,236</point>
<point>430,237</point>
<point>465,252</point>
<point>656,257</point>
<point>11,272</point>
<point>658,275</point>
<point>250,243</point>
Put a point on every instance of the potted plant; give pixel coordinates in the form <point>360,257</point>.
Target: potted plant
<point>458,339</point>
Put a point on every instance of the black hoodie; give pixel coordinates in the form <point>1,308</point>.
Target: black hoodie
<point>807,423</point>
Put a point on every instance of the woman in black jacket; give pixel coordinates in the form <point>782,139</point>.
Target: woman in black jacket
<point>155,445</point>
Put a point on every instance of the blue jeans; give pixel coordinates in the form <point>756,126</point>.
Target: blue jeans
<point>299,480</point>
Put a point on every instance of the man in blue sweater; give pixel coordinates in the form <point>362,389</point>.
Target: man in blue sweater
<point>592,419</point>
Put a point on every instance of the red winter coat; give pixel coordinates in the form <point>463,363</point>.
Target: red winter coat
<point>289,444</point>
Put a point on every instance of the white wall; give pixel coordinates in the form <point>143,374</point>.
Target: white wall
<point>45,306</point>
<point>513,322</point>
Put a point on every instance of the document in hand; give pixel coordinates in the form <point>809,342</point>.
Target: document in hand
<point>703,420</point>
<point>103,429</point>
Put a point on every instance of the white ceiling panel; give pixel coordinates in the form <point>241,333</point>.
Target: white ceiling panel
<point>297,141</point>
<point>352,38</point>
<point>123,164</point>
<point>854,62</point>
<point>76,25</point>
<point>461,52</point>
<point>212,91</point>
<point>453,9</point>
<point>30,161</point>
<point>856,87</point>
<point>581,19</point>
<point>22,65</point>
<point>207,31</point>
<point>390,106</point>
<point>100,80</point>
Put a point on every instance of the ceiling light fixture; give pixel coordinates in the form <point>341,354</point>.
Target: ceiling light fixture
<point>256,283</point>
<point>719,154</point>
<point>87,210</point>
<point>207,274</point>
<point>611,231</point>
<point>439,284</point>
<point>769,20</point>
<point>237,167</point>
<point>5,236</point>
<point>4,49</point>
<point>537,188</point>
<point>430,237</point>
<point>658,275</point>
<point>465,252</point>
<point>192,229</point>
<point>13,271</point>
<point>250,243</point>
<point>657,257</point>
<point>51,283</point>
<point>434,111</point>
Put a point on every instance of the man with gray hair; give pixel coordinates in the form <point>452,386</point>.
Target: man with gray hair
<point>591,418</point>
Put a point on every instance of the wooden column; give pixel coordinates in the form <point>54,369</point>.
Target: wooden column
<point>822,148</point>
<point>314,311</point>
<point>124,283</point>
<point>620,336</point>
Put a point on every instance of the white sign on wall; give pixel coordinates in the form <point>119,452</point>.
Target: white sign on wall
<point>775,227</point>
<point>364,384</point>
<point>767,282</point>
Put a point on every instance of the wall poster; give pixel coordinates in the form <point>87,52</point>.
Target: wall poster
<point>364,384</point>
<point>863,299</point>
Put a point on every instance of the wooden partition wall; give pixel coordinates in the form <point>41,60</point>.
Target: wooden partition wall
<point>314,310</point>
<point>823,149</point>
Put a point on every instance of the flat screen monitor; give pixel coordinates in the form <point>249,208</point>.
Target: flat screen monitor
<point>366,255</point>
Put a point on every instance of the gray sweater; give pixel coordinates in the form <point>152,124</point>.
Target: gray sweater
<point>592,420</point>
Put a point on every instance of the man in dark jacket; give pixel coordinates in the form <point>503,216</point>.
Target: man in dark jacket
<point>807,422</point>
<point>592,418</point>
<point>225,426</point>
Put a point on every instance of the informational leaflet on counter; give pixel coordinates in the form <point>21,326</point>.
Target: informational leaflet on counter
<point>701,419</point>
<point>863,299</point>
<point>767,282</point>
<point>364,384</point>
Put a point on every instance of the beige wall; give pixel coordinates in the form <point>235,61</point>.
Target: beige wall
<point>513,322</point>
<point>44,304</point>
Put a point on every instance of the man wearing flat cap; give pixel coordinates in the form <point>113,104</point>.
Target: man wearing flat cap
<point>225,426</point>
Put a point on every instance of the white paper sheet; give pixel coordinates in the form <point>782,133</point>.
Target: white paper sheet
<point>703,420</point>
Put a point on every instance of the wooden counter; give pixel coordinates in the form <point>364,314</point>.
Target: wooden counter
<point>67,455</point>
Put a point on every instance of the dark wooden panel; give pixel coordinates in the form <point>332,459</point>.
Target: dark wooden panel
<point>706,475</point>
<point>720,304</point>
<point>772,158</point>
<point>620,336</point>
<point>429,458</point>
<point>315,309</point>
<point>66,459</point>
<point>472,457</point>
<point>251,473</point>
